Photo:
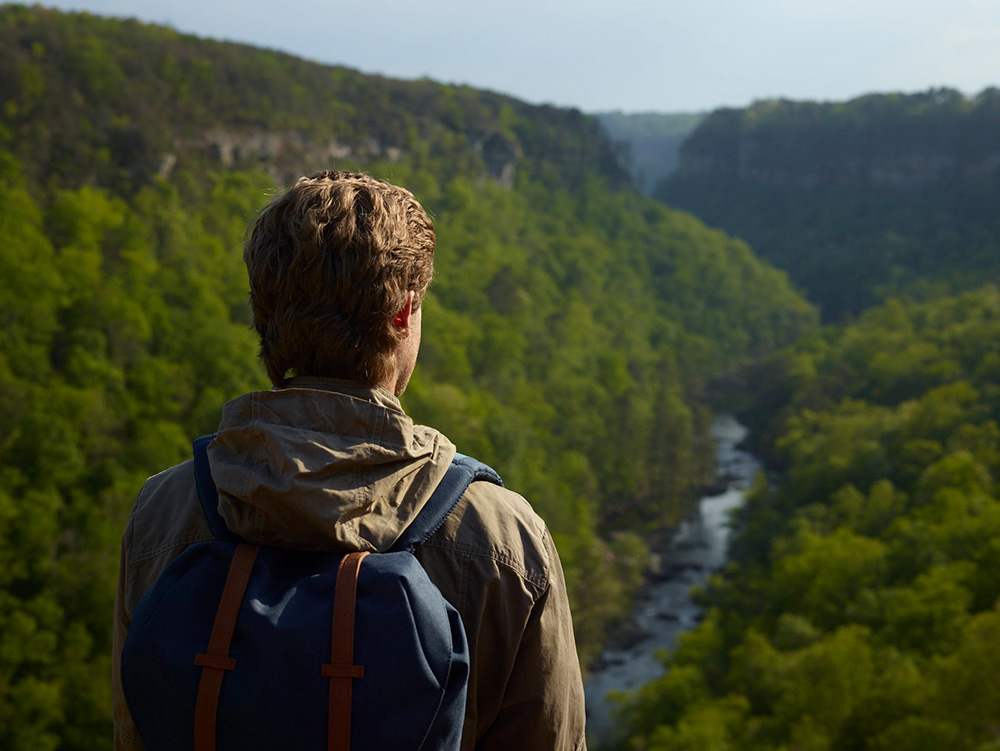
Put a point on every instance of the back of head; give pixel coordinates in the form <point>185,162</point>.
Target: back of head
<point>331,262</point>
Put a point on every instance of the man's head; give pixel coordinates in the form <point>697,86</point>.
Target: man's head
<point>338,265</point>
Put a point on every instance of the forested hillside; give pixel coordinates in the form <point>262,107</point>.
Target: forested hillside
<point>568,332</point>
<point>861,611</point>
<point>885,194</point>
<point>112,102</point>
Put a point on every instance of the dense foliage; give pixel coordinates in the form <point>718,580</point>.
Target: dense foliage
<point>885,194</point>
<point>862,609</point>
<point>567,334</point>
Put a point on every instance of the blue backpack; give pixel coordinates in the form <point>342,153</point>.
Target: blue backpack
<point>239,646</point>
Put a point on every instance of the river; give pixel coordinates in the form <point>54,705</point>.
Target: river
<point>695,551</point>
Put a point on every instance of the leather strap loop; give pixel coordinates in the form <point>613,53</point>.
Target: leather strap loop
<point>217,660</point>
<point>344,671</point>
<point>341,669</point>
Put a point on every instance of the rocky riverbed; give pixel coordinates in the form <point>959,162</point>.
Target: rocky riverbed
<point>695,551</point>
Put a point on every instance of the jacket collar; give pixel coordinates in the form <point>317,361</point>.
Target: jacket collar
<point>323,464</point>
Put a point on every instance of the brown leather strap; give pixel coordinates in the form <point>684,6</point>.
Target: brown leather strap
<point>217,660</point>
<point>342,670</point>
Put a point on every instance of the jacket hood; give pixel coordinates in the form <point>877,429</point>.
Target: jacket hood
<point>324,465</point>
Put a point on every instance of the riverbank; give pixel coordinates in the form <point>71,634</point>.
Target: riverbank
<point>665,610</point>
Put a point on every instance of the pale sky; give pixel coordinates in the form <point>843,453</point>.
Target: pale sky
<point>633,55</point>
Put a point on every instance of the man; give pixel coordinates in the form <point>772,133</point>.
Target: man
<point>328,461</point>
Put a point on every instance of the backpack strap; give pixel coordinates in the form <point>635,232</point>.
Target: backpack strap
<point>216,660</point>
<point>207,492</point>
<point>464,470</point>
<point>342,669</point>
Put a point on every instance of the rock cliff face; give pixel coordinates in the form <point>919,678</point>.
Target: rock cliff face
<point>905,170</point>
<point>281,153</point>
<point>284,154</point>
<point>885,141</point>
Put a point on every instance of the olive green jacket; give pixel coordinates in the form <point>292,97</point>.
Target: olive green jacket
<point>330,466</point>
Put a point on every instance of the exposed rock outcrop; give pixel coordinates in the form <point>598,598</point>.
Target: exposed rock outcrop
<point>500,155</point>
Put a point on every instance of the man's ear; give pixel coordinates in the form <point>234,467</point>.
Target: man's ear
<point>402,318</point>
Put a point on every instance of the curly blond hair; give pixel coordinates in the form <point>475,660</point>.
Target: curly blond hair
<point>331,262</point>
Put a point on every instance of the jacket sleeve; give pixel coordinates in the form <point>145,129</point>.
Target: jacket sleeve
<point>126,736</point>
<point>543,705</point>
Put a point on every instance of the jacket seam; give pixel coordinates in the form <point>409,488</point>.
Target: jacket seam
<point>177,542</point>
<point>539,580</point>
<point>463,583</point>
<point>257,525</point>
